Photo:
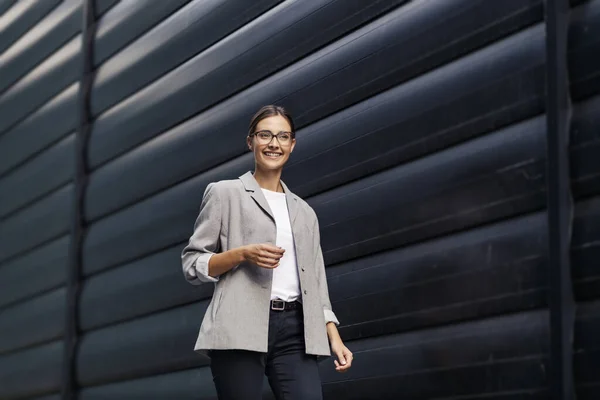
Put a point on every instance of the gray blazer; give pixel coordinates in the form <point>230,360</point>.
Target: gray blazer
<point>234,213</point>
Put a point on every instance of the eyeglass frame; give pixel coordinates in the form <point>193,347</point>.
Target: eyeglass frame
<point>273,135</point>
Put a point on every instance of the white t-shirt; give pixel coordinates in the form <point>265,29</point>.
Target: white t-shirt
<point>286,283</point>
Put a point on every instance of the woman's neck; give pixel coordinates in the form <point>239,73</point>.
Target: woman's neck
<point>268,180</point>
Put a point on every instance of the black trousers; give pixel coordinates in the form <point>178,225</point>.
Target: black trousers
<point>292,374</point>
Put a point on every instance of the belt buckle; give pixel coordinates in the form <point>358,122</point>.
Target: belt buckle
<point>274,307</point>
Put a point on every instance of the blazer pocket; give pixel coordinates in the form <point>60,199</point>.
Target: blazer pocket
<point>217,303</point>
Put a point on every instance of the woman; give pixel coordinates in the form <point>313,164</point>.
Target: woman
<point>259,243</point>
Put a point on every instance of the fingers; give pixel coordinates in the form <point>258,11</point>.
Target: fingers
<point>269,256</point>
<point>265,255</point>
<point>267,262</point>
<point>345,361</point>
<point>272,251</point>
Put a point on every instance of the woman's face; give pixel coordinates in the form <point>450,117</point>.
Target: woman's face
<point>271,155</point>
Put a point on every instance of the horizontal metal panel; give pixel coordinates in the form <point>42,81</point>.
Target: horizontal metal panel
<point>587,326</point>
<point>109,244</point>
<point>45,220</point>
<point>197,384</point>
<point>521,379</point>
<point>56,119</point>
<point>587,350</point>
<point>191,384</point>
<point>462,100</point>
<point>432,356</point>
<point>40,42</point>
<point>103,295</point>
<point>586,250</point>
<point>585,145</point>
<point>216,71</point>
<point>21,18</point>
<point>102,6</point>
<point>49,170</point>
<point>443,197</point>
<point>585,122</point>
<point>380,53</point>
<point>56,72</point>
<point>5,5</point>
<point>49,397</point>
<point>436,363</point>
<point>189,31</point>
<point>126,21</point>
<point>117,276</point>
<point>43,39</point>
<point>496,269</point>
<point>37,271</point>
<point>46,80</point>
<point>147,346</point>
<point>587,167</point>
<point>473,183</point>
<point>31,372</point>
<point>104,245</point>
<point>35,321</point>
<point>584,53</point>
<point>384,48</point>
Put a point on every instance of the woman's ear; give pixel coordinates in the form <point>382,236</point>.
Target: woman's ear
<point>249,142</point>
<point>293,145</point>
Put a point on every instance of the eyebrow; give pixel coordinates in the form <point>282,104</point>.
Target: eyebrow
<point>267,130</point>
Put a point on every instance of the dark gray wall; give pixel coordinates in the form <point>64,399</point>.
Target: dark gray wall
<point>421,146</point>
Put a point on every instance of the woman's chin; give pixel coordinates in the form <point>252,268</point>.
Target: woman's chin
<point>271,165</point>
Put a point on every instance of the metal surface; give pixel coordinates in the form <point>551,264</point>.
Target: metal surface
<point>421,146</point>
<point>71,336</point>
<point>560,201</point>
<point>286,34</point>
<point>382,54</point>
<point>22,17</point>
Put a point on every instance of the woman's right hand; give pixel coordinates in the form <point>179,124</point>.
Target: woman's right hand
<point>264,255</point>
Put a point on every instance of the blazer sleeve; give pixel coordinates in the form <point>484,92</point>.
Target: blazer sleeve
<point>322,278</point>
<point>204,242</point>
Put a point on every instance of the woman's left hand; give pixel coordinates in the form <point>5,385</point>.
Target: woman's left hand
<point>343,354</point>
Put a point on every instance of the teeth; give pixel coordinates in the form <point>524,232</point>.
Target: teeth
<point>273,154</point>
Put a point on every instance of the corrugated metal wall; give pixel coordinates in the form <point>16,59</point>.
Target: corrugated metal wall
<point>421,146</point>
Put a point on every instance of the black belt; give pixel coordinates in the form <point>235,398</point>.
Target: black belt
<point>280,305</point>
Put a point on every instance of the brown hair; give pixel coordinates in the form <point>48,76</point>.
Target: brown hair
<point>270,111</point>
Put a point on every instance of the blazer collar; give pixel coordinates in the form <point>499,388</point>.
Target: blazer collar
<point>252,187</point>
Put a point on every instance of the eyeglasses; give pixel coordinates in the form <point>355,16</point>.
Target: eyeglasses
<point>265,137</point>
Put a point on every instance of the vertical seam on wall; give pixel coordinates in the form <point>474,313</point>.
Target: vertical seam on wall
<point>560,201</point>
<point>74,266</point>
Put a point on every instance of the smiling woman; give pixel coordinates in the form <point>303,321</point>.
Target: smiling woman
<point>259,244</point>
<point>271,138</point>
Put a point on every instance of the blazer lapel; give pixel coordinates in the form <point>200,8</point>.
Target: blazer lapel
<point>251,186</point>
<point>292,203</point>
